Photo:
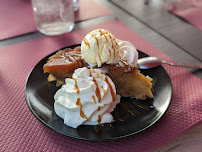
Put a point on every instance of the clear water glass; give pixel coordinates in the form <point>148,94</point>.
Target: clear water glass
<point>53,17</point>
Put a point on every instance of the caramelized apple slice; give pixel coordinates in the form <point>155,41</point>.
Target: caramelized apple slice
<point>63,63</point>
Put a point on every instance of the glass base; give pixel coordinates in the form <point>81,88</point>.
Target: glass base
<point>57,28</point>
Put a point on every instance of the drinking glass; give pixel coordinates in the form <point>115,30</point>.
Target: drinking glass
<point>53,17</point>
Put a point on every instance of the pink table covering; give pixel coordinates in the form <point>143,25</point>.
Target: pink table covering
<point>190,10</point>
<point>21,131</point>
<point>16,16</point>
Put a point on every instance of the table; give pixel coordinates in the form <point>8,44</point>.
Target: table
<point>170,34</point>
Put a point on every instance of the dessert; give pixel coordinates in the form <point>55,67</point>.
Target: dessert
<point>101,64</point>
<point>98,47</point>
<point>62,64</point>
<point>87,98</point>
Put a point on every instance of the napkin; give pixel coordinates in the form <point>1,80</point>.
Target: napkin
<point>17,16</point>
<point>190,10</point>
<point>21,131</point>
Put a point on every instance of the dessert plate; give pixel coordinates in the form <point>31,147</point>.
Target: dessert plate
<point>131,116</point>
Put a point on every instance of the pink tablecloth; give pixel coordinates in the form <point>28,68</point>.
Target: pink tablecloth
<point>21,131</point>
<point>190,10</point>
<point>16,16</point>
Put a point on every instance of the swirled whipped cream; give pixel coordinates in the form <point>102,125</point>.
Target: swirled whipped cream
<point>127,53</point>
<point>100,46</point>
<point>87,98</point>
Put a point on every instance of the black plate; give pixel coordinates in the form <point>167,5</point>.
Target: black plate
<point>138,116</point>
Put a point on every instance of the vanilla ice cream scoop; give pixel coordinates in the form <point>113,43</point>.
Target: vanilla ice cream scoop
<point>98,47</point>
<point>87,98</point>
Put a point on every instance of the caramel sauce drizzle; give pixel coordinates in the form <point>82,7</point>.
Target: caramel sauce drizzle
<point>106,37</point>
<point>110,87</point>
<point>78,103</point>
<point>110,53</point>
<point>99,119</point>
<point>106,31</point>
<point>113,49</point>
<point>90,74</point>
<point>101,32</point>
<point>110,38</point>
<point>103,90</point>
<point>97,91</point>
<point>98,49</point>
<point>91,34</point>
<point>97,41</point>
<point>76,86</point>
<point>93,70</point>
<point>94,99</point>
<point>99,108</point>
<point>112,44</point>
<point>116,42</point>
<point>86,42</point>
<point>58,57</point>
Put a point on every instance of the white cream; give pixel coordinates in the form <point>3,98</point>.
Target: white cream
<point>98,47</point>
<point>87,98</point>
<point>127,53</point>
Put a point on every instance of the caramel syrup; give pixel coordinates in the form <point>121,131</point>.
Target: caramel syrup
<point>98,49</point>
<point>78,103</point>
<point>110,87</point>
<point>76,86</point>
<point>86,42</point>
<point>110,53</point>
<point>112,44</point>
<point>90,74</point>
<point>106,38</point>
<point>97,91</point>
<point>104,91</point>
<point>127,109</point>
<point>94,99</point>
<point>99,120</point>
<point>91,34</point>
<point>101,32</point>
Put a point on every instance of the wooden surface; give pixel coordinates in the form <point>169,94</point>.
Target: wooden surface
<point>170,34</point>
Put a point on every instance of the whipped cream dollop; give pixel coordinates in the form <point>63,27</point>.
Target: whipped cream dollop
<point>127,53</point>
<point>87,98</point>
<point>98,47</point>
